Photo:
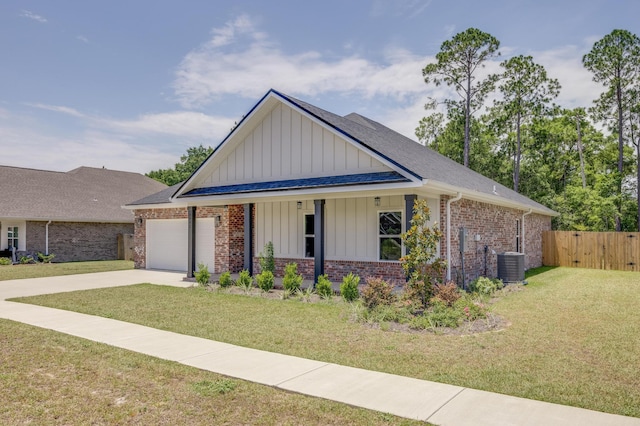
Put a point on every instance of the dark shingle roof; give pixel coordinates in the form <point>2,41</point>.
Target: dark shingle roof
<point>411,156</point>
<point>84,194</point>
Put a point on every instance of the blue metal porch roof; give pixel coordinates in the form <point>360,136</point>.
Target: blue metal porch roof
<point>292,184</point>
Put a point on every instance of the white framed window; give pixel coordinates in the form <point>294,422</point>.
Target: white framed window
<point>12,237</point>
<point>389,231</point>
<point>309,235</point>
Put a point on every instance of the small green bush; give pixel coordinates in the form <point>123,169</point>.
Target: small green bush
<point>5,261</point>
<point>245,281</point>
<point>447,293</point>
<point>485,286</point>
<point>225,280</point>
<point>377,292</point>
<point>202,274</point>
<point>45,258</point>
<point>291,280</point>
<point>25,260</point>
<point>324,287</point>
<point>349,287</point>
<point>438,315</point>
<point>267,260</point>
<point>469,308</point>
<point>305,295</point>
<point>265,280</point>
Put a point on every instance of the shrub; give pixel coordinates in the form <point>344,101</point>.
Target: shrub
<point>267,261</point>
<point>24,260</point>
<point>265,280</point>
<point>421,262</point>
<point>46,258</point>
<point>324,287</point>
<point>377,292</point>
<point>5,261</point>
<point>470,309</point>
<point>245,281</point>
<point>202,274</point>
<point>225,280</point>
<point>485,286</point>
<point>349,287</point>
<point>438,315</point>
<point>291,280</point>
<point>305,295</point>
<point>447,293</point>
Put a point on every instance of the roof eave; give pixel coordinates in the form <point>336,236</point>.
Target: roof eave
<point>447,189</point>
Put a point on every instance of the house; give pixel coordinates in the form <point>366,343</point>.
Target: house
<point>332,194</point>
<point>75,215</point>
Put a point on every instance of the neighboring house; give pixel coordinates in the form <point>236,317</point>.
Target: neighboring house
<point>333,194</point>
<point>75,215</point>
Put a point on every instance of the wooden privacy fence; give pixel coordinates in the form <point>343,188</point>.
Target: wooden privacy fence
<point>125,246</point>
<point>596,250</point>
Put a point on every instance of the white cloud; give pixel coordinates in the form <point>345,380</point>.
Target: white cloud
<point>185,124</point>
<point>30,15</point>
<point>241,61</point>
<point>57,108</point>
<point>82,39</point>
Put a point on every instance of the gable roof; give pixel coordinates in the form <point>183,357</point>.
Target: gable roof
<point>84,194</point>
<point>415,162</point>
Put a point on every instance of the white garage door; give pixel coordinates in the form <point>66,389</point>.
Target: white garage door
<point>167,243</point>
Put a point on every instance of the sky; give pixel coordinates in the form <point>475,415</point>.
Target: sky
<point>130,85</point>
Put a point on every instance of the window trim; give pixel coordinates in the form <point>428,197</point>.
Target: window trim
<point>380,236</point>
<point>305,215</point>
<point>14,230</point>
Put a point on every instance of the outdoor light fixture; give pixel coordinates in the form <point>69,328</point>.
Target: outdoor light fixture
<point>377,201</point>
<point>139,221</point>
<point>218,219</point>
<point>299,205</point>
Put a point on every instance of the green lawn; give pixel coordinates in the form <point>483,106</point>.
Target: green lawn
<point>39,270</point>
<point>573,337</point>
<point>55,379</point>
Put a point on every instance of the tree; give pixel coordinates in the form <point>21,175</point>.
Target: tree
<point>526,92</point>
<point>457,65</point>
<point>188,164</point>
<point>421,262</point>
<point>615,62</point>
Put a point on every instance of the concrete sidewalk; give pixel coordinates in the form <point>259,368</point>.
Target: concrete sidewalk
<point>437,403</point>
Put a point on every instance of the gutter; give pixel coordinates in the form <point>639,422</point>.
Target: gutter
<point>46,238</point>
<point>449,201</point>
<point>522,236</point>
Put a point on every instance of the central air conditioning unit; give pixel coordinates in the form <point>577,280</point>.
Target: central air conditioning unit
<point>511,267</point>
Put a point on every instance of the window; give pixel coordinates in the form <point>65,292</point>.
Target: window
<point>390,228</point>
<point>518,242</point>
<point>309,235</point>
<point>12,237</point>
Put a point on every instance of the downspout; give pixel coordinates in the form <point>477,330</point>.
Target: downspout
<point>46,238</point>
<point>522,231</point>
<point>449,201</point>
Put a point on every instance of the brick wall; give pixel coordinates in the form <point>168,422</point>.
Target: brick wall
<point>76,241</point>
<point>496,227</point>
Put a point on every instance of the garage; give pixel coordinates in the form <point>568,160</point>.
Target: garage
<point>167,241</point>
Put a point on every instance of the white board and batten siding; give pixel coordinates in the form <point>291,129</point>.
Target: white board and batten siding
<point>167,243</point>
<point>288,145</point>
<point>351,227</point>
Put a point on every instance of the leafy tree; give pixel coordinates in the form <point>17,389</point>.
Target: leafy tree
<point>526,92</point>
<point>421,262</point>
<point>615,62</point>
<point>188,164</point>
<point>457,65</point>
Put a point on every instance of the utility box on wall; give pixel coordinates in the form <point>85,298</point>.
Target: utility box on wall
<point>511,267</point>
